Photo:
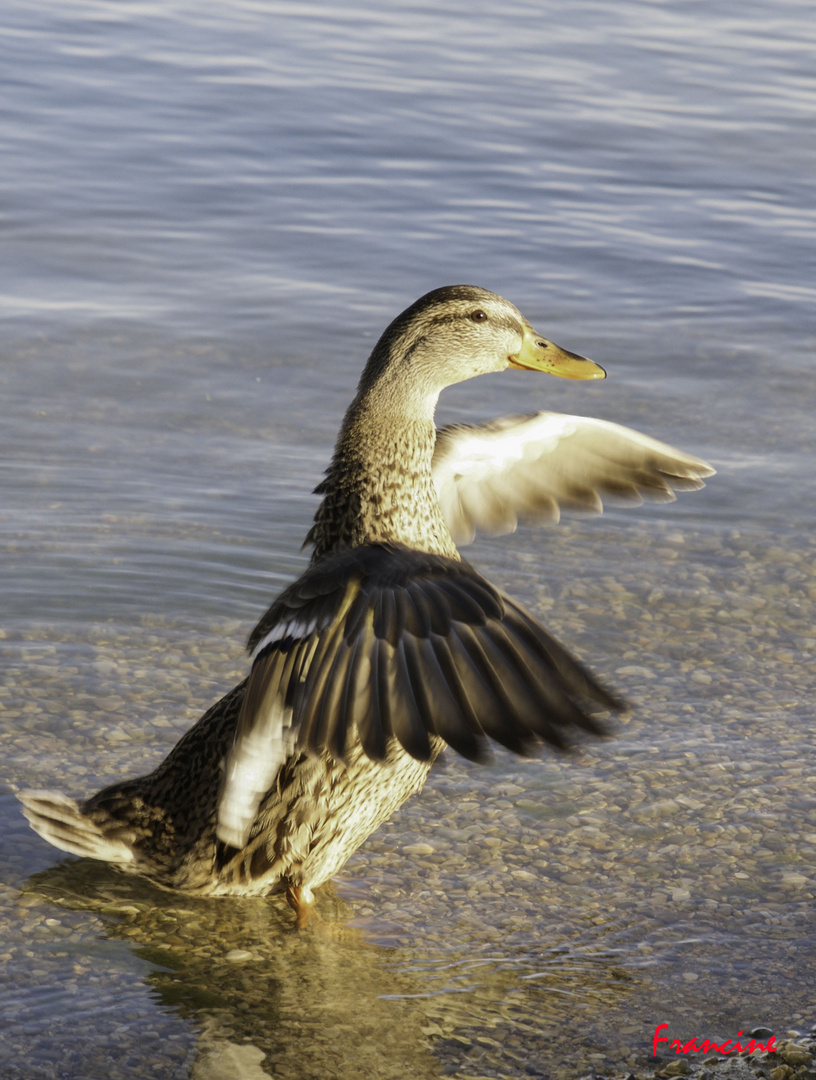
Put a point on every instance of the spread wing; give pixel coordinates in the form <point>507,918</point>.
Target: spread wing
<point>530,467</point>
<point>383,641</point>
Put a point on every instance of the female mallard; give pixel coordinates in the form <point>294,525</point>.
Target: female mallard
<point>389,647</point>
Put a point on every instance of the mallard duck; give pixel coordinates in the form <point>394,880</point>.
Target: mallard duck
<point>389,647</point>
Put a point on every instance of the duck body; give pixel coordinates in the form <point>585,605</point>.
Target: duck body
<point>164,826</point>
<point>389,647</point>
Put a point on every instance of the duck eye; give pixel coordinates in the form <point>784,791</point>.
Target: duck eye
<point>478,316</point>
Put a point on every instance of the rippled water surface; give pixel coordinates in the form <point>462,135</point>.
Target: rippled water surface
<point>210,211</point>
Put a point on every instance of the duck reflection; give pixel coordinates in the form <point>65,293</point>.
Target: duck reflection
<point>335,1001</point>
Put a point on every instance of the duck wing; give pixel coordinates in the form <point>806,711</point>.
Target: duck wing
<point>491,475</point>
<point>382,642</point>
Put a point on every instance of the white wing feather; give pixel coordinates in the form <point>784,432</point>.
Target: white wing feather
<point>531,467</point>
<point>251,770</point>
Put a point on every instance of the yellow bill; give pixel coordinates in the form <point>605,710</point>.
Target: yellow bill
<point>539,354</point>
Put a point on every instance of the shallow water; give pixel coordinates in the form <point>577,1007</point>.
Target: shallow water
<point>209,216</point>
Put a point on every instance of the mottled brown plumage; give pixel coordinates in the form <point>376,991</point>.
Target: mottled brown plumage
<point>388,647</point>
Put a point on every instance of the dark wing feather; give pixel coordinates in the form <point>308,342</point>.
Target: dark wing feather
<point>408,701</point>
<point>576,679</point>
<point>384,642</point>
<point>459,724</point>
<point>443,712</point>
<point>485,693</point>
<point>417,613</point>
<point>359,697</point>
<point>375,725</point>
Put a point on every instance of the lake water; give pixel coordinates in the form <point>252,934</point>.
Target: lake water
<point>210,212</point>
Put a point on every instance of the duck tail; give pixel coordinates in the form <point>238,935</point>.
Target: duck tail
<point>62,822</point>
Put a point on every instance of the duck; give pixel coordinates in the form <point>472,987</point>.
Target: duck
<point>389,647</point>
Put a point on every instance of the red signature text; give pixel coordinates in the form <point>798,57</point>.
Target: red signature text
<point>706,1046</point>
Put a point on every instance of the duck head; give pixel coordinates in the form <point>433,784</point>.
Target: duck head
<point>456,333</point>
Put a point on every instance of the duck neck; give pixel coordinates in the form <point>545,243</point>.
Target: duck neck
<point>379,487</point>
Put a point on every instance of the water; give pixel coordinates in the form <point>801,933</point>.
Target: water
<point>209,214</point>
